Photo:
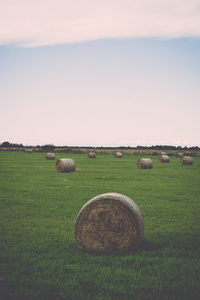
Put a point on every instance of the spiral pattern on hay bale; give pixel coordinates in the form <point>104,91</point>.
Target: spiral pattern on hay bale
<point>91,155</point>
<point>65,165</point>
<point>144,163</point>
<point>164,159</point>
<point>186,160</point>
<point>50,156</point>
<point>109,221</point>
<point>118,155</point>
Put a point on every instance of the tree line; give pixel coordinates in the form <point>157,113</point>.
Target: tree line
<point>51,147</point>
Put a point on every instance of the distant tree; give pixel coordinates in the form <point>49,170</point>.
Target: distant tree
<point>5,144</point>
<point>48,148</point>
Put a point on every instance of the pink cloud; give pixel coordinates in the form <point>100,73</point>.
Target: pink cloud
<point>43,22</point>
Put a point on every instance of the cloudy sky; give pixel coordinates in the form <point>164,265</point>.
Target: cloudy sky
<point>100,73</point>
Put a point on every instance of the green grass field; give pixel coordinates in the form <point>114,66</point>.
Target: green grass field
<point>39,255</point>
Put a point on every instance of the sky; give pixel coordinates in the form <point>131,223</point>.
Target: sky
<point>100,73</point>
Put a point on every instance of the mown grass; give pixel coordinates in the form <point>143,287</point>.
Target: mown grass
<point>39,255</point>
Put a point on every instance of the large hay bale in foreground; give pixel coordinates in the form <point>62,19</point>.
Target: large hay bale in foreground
<point>118,155</point>
<point>65,165</point>
<point>50,156</point>
<point>91,155</point>
<point>144,163</point>
<point>186,160</point>
<point>109,221</point>
<point>164,159</point>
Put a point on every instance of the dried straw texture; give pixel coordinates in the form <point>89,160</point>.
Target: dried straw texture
<point>91,155</point>
<point>50,156</point>
<point>164,159</point>
<point>179,155</point>
<point>65,165</point>
<point>186,160</point>
<point>109,222</point>
<point>118,154</point>
<point>144,163</point>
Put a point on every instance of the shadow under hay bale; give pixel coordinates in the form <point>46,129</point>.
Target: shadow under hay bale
<point>50,156</point>
<point>164,159</point>
<point>91,155</point>
<point>109,221</point>
<point>186,160</point>
<point>118,155</point>
<point>144,163</point>
<point>65,165</point>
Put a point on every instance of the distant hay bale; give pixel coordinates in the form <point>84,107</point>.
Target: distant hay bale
<point>109,221</point>
<point>28,150</point>
<point>186,160</point>
<point>188,153</point>
<point>144,163</point>
<point>50,156</point>
<point>118,155</point>
<point>154,153</point>
<point>179,154</point>
<point>65,165</point>
<point>164,159</point>
<point>91,155</point>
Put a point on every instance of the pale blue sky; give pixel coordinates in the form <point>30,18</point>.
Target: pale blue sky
<point>103,91</point>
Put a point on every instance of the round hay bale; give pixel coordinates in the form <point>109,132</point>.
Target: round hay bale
<point>186,160</point>
<point>163,153</point>
<point>164,159</point>
<point>118,155</point>
<point>189,153</point>
<point>144,163</point>
<point>50,156</point>
<point>65,165</point>
<point>107,222</point>
<point>29,151</point>
<point>179,155</point>
<point>91,155</point>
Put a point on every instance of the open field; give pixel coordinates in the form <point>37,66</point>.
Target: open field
<point>39,255</point>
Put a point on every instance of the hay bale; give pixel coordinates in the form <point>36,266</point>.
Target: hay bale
<point>91,155</point>
<point>50,156</point>
<point>28,150</point>
<point>188,153</point>
<point>186,160</point>
<point>118,155</point>
<point>164,159</point>
<point>163,153</point>
<point>109,221</point>
<point>144,163</point>
<point>179,154</point>
<point>65,165</point>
